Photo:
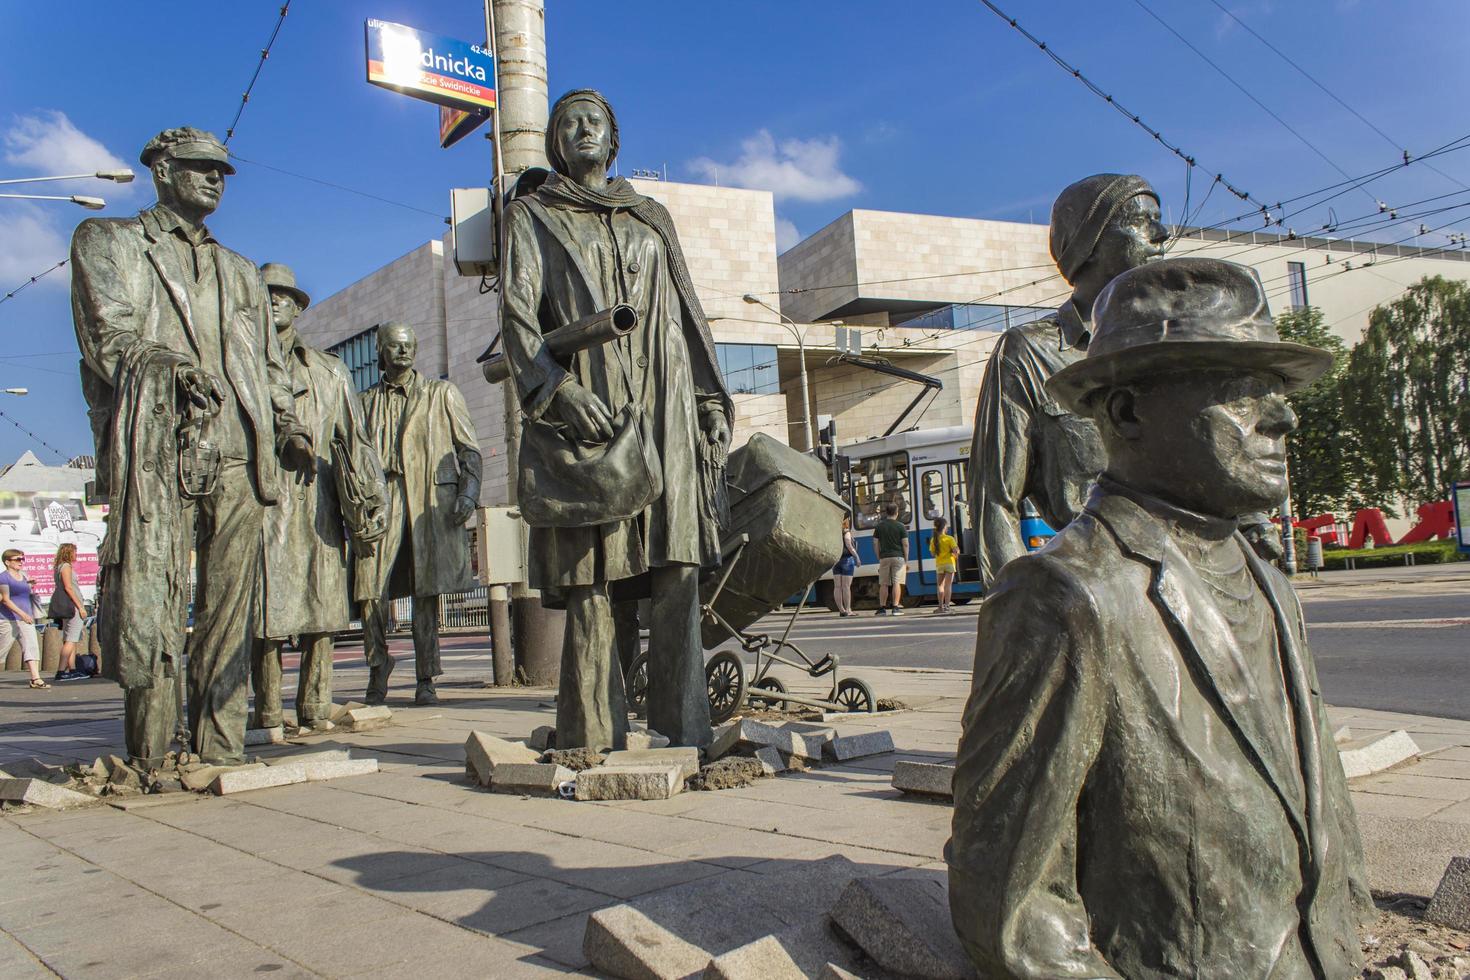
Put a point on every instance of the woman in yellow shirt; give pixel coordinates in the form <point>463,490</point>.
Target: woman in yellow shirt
<point>946,552</point>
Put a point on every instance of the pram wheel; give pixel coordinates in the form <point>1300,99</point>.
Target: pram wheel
<point>853,695</point>
<point>635,686</point>
<point>724,675</point>
<point>758,703</point>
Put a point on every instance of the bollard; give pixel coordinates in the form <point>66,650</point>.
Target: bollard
<point>12,657</point>
<point>50,650</point>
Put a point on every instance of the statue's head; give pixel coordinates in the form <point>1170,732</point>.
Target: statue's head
<point>189,167</point>
<point>1186,378</point>
<point>398,345</point>
<point>286,299</point>
<point>1104,225</point>
<point>581,134</point>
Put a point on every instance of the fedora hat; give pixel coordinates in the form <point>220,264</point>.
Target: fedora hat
<point>1179,314</point>
<point>278,276</point>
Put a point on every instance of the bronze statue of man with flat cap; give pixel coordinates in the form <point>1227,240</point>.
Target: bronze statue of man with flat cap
<point>1027,447</point>
<point>1146,784</point>
<point>192,418</point>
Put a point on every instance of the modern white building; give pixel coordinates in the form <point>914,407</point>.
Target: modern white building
<point>929,295</point>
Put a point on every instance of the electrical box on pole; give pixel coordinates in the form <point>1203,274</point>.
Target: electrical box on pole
<point>475,239</point>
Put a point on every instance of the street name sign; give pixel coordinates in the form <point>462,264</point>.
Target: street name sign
<point>438,69</point>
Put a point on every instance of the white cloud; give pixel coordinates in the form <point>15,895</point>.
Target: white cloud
<point>793,170</point>
<point>48,143</point>
<point>32,243</point>
<point>786,234</point>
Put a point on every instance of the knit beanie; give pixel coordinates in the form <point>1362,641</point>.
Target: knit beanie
<point>1083,210</point>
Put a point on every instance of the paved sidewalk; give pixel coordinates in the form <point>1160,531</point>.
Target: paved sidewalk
<point>415,872</point>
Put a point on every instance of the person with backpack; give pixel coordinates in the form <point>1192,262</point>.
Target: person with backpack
<point>68,611</point>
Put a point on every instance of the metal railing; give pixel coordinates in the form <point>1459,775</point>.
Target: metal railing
<point>457,610</point>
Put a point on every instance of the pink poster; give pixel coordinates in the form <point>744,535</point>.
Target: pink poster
<point>40,570</point>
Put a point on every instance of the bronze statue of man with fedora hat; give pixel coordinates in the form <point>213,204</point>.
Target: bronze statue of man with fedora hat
<point>1146,783</point>
<point>1027,446</point>
<point>303,587</point>
<point>192,418</point>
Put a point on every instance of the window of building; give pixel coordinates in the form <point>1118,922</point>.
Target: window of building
<point>359,355</point>
<point>1296,274</point>
<point>749,369</point>
<point>976,316</point>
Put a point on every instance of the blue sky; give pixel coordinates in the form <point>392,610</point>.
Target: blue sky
<point>831,105</point>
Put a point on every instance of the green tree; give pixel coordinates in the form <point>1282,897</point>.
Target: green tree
<point>1406,391</point>
<point>1323,453</point>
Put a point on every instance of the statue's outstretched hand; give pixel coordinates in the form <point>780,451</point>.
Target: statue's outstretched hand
<point>579,408</point>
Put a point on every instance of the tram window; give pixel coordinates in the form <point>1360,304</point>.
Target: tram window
<point>876,481</point>
<point>931,492</point>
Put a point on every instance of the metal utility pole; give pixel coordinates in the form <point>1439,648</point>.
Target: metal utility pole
<point>517,34</point>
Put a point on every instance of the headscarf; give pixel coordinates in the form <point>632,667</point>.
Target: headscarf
<point>1083,210</point>
<point>553,152</point>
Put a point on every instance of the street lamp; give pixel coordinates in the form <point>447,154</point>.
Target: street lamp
<point>117,176</point>
<point>808,424</point>
<point>90,203</point>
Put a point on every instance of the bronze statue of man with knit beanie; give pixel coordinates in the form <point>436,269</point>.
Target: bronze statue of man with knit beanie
<point>1027,446</point>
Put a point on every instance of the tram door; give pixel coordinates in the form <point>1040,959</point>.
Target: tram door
<point>935,498</point>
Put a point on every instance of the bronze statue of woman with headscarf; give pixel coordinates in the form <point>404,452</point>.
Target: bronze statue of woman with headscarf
<point>641,423</point>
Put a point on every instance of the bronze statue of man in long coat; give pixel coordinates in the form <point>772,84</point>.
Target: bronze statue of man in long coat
<point>190,410</point>
<point>577,245</point>
<point>1147,785</point>
<point>304,590</point>
<point>1026,445</point>
<point>426,442</point>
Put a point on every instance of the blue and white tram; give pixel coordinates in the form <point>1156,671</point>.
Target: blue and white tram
<point>926,471</point>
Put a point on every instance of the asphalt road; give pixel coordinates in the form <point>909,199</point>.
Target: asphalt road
<point>1400,646</point>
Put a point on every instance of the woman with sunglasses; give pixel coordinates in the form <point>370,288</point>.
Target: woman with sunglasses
<point>17,620</point>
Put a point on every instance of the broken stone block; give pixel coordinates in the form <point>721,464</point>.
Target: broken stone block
<point>1343,734</point>
<point>764,959</point>
<point>542,738</point>
<point>812,732</point>
<point>125,777</point>
<point>857,746</point>
<point>924,778</point>
<point>1450,905</point>
<point>651,782</point>
<point>642,740</point>
<point>306,758</point>
<point>320,769</point>
<point>624,942</point>
<point>685,757</point>
<point>832,971</point>
<point>1365,756</point>
<point>339,711</point>
<point>743,735</point>
<point>903,924</point>
<point>265,736</point>
<point>199,777</point>
<point>532,779</point>
<point>366,718</point>
<point>772,761</point>
<point>240,779</point>
<point>38,792</point>
<point>483,752</point>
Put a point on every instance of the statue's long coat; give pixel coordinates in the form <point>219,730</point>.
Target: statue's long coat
<point>306,541</point>
<point>435,427</point>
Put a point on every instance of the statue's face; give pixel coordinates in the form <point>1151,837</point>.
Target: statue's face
<point>1135,235</point>
<point>397,348</point>
<point>189,185</point>
<point>584,137</point>
<point>283,309</point>
<point>1214,440</point>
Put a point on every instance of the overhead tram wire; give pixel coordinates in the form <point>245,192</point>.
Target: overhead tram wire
<point>1244,91</point>
<point>28,432</point>
<point>340,187</point>
<point>1330,94</point>
<point>33,280</point>
<point>265,54</point>
<point>1130,115</point>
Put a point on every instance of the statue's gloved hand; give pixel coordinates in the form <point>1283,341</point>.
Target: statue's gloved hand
<point>716,428</point>
<point>297,454</point>
<point>463,508</point>
<point>200,387</point>
<point>575,406</point>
